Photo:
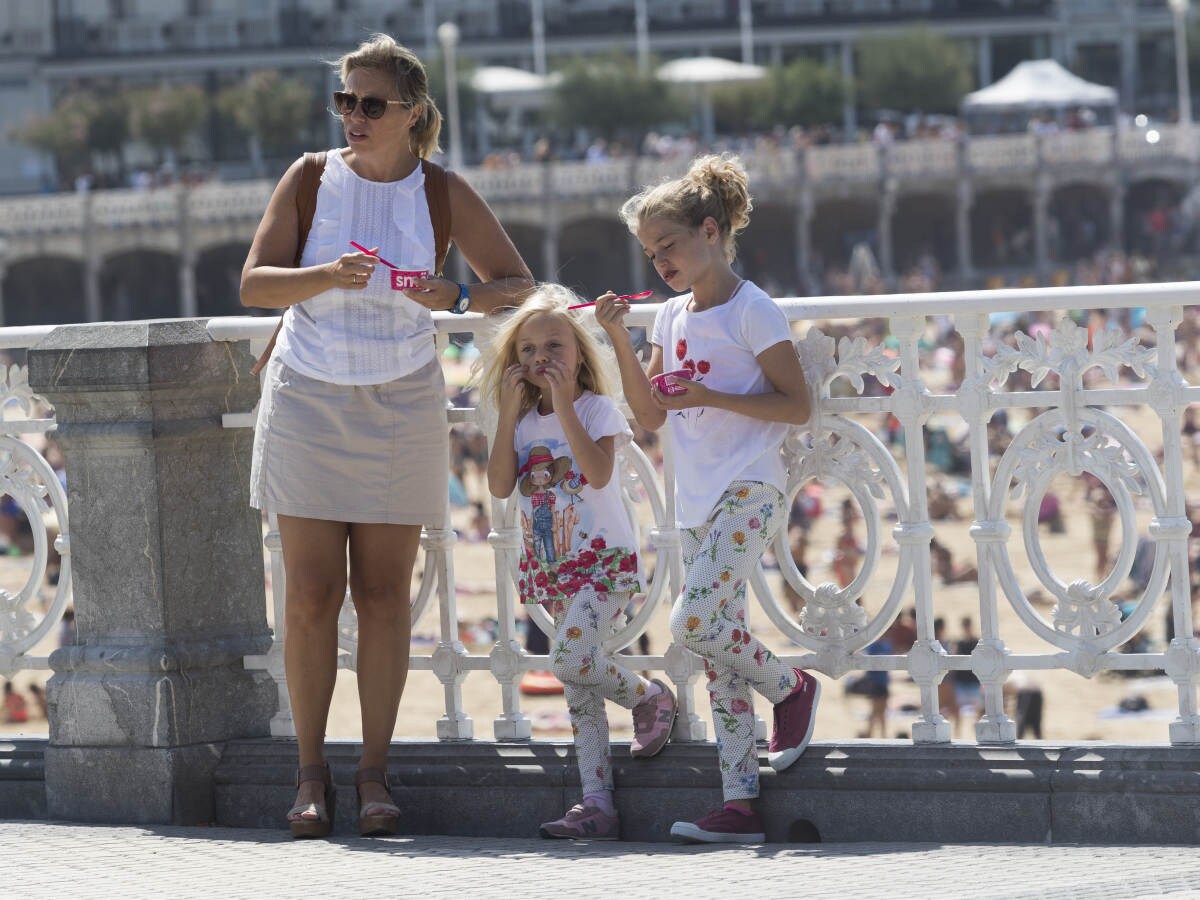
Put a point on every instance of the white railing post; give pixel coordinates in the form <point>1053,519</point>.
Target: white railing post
<point>912,409</point>
<point>990,659</point>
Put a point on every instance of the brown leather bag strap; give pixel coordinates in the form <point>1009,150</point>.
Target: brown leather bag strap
<point>306,197</point>
<point>437,195</point>
<point>306,208</point>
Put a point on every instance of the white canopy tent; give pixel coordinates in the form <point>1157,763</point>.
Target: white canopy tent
<point>509,87</point>
<point>509,94</point>
<point>1039,84</point>
<point>702,72</point>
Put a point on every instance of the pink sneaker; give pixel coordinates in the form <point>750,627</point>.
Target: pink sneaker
<point>794,719</point>
<point>584,823</point>
<point>722,826</point>
<point>652,721</point>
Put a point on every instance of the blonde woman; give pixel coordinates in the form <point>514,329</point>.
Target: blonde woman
<point>351,445</point>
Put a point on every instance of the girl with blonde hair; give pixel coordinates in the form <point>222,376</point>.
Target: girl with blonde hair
<point>734,389</point>
<point>556,443</point>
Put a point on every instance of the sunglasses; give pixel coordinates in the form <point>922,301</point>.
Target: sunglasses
<point>372,107</point>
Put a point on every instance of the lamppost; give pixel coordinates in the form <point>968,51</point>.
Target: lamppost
<point>1179,9</point>
<point>447,35</point>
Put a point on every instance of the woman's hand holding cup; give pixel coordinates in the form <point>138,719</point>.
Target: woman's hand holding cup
<point>434,293</point>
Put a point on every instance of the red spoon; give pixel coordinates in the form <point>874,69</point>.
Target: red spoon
<point>642,296</point>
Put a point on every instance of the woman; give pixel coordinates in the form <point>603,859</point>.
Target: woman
<point>351,447</point>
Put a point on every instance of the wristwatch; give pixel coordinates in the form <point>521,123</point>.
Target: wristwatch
<point>463,303</point>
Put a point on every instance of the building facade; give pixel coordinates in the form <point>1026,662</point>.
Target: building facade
<point>1010,207</point>
<point>50,48</point>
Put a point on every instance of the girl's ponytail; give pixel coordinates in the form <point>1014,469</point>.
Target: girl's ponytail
<point>724,176</point>
<point>715,186</point>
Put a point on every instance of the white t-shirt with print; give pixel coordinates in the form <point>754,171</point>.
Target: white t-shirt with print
<point>715,447</point>
<point>575,536</point>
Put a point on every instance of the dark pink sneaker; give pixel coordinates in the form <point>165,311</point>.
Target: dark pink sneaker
<point>722,826</point>
<point>794,719</point>
<point>652,721</point>
<point>584,823</point>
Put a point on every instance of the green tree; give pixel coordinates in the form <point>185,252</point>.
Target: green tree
<point>804,92</point>
<point>911,71</point>
<point>609,98</point>
<point>167,117</point>
<point>272,111</point>
<point>82,126</point>
<point>62,137</point>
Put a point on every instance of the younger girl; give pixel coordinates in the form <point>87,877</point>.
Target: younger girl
<point>729,413</point>
<point>556,443</point>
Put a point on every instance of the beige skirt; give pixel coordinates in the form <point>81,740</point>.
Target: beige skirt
<point>372,454</point>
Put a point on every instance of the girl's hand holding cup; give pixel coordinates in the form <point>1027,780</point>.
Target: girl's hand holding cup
<point>671,392</point>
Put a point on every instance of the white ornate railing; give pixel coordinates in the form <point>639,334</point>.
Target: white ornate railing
<point>31,482</point>
<point>1073,434</point>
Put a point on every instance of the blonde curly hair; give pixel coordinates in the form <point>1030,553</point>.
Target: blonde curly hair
<point>716,186</point>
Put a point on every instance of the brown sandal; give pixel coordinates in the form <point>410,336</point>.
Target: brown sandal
<point>322,825</point>
<point>376,818</point>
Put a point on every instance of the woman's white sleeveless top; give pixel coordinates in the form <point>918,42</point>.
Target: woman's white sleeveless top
<point>376,334</point>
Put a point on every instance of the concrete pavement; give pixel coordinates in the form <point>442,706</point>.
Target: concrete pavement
<point>49,860</point>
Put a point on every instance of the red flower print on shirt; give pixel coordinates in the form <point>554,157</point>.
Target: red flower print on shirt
<point>599,543</point>
<point>681,349</point>
<point>703,366</point>
<point>689,365</point>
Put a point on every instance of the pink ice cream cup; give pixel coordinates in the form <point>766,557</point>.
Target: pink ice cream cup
<point>670,389</point>
<point>403,279</point>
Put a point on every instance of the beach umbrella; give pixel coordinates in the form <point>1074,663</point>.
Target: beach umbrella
<point>702,73</point>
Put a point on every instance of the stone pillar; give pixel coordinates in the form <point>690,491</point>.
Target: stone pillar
<point>849,107</point>
<point>983,57</point>
<point>91,263</point>
<point>805,205</point>
<point>887,212</point>
<point>188,307</point>
<point>1116,213</point>
<point>964,200</point>
<point>1041,227</point>
<point>550,218</point>
<point>637,265</point>
<point>168,571</point>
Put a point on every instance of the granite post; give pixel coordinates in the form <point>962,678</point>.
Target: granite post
<point>167,566</point>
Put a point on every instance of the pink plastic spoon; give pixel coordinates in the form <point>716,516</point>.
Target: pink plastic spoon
<point>642,296</point>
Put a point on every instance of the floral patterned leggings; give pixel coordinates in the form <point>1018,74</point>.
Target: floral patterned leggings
<point>589,677</point>
<point>709,619</point>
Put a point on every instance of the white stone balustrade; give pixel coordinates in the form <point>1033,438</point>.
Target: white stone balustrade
<point>1078,430</point>
<point>31,482</point>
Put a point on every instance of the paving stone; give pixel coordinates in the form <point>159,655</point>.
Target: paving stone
<point>44,859</point>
